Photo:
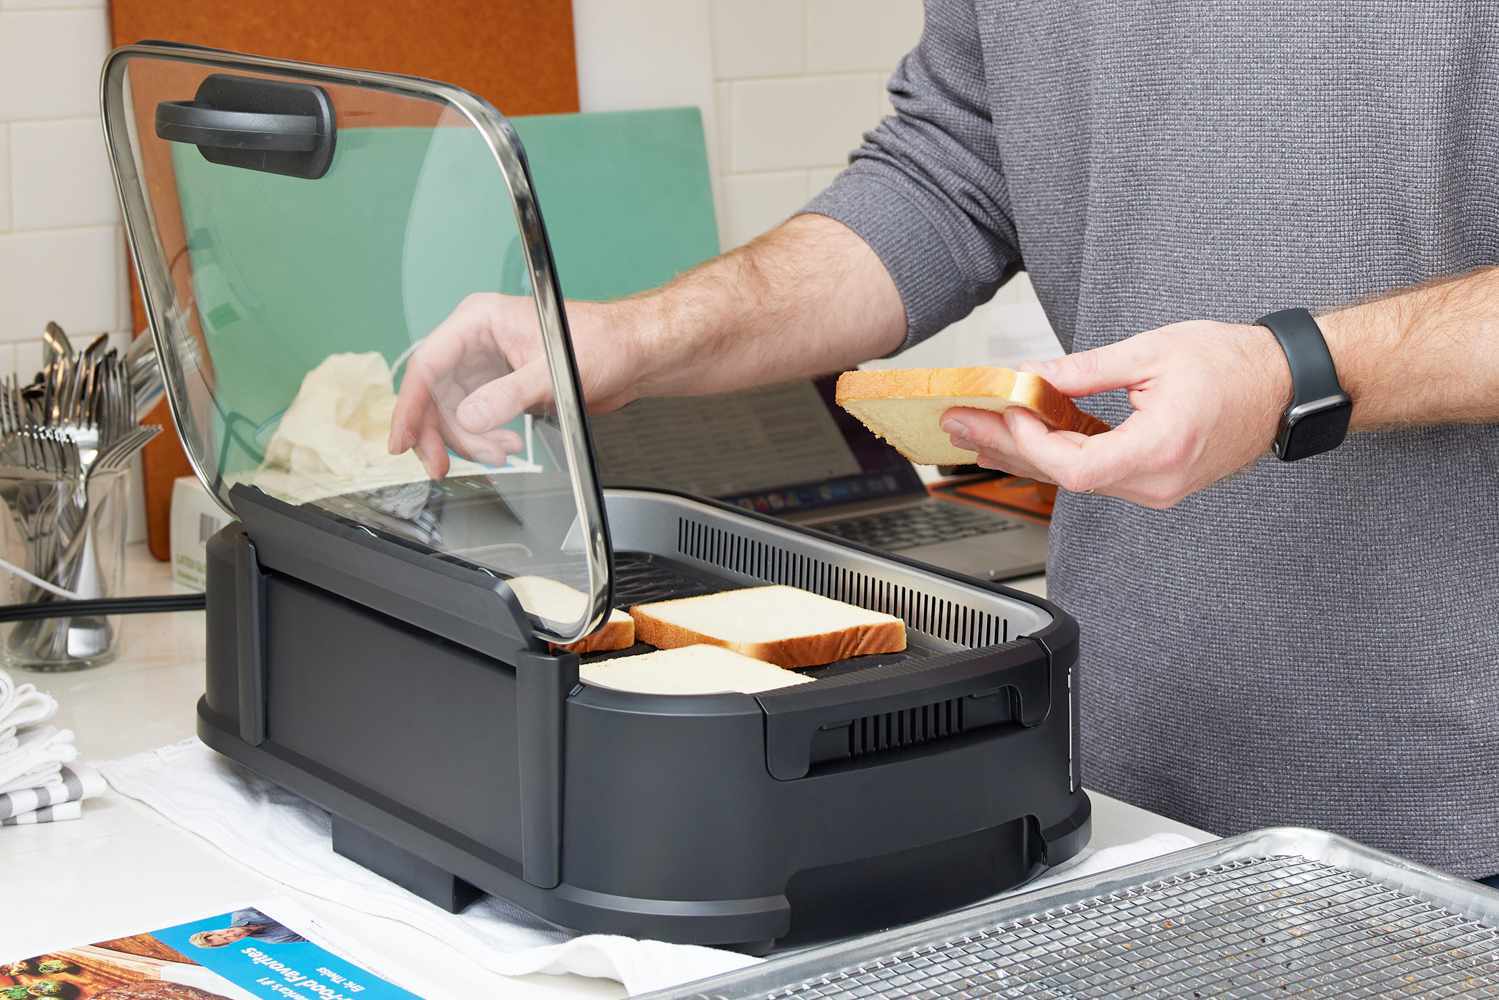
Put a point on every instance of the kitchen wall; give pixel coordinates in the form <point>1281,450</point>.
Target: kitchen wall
<point>796,84</point>
<point>61,244</point>
<point>62,253</point>
<point>786,88</point>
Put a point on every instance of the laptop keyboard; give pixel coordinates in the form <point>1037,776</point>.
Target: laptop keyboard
<point>922,524</point>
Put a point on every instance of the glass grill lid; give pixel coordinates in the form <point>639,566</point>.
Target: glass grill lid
<point>356,308</point>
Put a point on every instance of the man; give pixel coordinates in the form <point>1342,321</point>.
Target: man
<point>1264,642</point>
<point>246,923</point>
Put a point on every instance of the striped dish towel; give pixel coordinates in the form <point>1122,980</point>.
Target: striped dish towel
<point>57,800</point>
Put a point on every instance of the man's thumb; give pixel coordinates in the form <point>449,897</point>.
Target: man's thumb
<point>1114,366</point>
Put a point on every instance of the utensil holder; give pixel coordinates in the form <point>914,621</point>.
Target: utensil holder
<point>73,537</point>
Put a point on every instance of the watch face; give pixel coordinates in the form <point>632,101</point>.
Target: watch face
<point>1315,431</point>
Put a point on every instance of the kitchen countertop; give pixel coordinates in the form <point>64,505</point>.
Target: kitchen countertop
<point>124,869</point>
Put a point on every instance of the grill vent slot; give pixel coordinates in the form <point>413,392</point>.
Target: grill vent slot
<point>906,728</point>
<point>958,624</point>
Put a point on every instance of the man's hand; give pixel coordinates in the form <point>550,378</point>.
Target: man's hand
<point>484,366</point>
<point>1207,400</point>
<point>806,298</point>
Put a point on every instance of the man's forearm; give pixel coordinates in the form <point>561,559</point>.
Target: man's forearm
<point>1427,355</point>
<point>807,297</point>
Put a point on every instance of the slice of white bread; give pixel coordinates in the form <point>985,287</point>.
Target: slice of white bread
<point>689,670</point>
<point>782,625</point>
<point>548,598</point>
<point>905,406</point>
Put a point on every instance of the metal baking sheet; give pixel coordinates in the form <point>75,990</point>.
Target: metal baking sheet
<point>1278,913</point>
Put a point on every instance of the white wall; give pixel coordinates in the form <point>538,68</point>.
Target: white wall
<point>62,249</point>
<point>61,246</point>
<point>787,88</point>
<point>796,85</point>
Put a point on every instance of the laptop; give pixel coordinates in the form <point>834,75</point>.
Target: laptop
<point>791,452</point>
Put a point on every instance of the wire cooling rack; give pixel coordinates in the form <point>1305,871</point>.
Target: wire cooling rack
<point>1252,917</point>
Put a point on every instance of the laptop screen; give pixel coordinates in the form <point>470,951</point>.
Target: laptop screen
<point>780,449</point>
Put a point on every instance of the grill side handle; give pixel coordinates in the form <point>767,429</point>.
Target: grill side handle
<point>1009,688</point>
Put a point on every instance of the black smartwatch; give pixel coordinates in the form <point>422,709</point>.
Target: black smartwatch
<point>1317,419</point>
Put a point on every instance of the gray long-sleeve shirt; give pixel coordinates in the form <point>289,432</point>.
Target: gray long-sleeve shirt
<point>1312,643</point>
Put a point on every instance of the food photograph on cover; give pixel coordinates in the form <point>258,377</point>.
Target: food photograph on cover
<point>722,499</point>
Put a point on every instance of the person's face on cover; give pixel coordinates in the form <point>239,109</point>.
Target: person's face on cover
<point>222,937</point>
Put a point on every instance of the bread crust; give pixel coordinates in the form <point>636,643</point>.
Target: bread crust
<point>618,632</point>
<point>798,652</point>
<point>1025,389</point>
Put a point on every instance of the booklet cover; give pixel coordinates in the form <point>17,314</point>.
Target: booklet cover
<point>245,954</point>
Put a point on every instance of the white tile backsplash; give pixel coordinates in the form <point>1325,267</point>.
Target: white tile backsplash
<point>60,175</point>
<point>61,243</point>
<point>49,63</point>
<point>801,122</point>
<point>783,112</point>
<point>642,53</point>
<point>849,35</point>
<point>722,94</point>
<point>61,246</point>
<point>50,4</point>
<point>647,54</point>
<point>758,38</point>
<point>754,203</point>
<point>4,176</point>
<point>67,275</point>
<point>791,85</point>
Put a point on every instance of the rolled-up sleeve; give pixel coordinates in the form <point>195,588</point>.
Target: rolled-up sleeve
<point>926,189</point>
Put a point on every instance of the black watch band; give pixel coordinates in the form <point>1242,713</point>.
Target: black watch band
<point>1317,419</point>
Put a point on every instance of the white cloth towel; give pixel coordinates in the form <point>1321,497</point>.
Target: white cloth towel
<point>22,705</point>
<point>74,783</point>
<point>286,839</point>
<point>38,759</point>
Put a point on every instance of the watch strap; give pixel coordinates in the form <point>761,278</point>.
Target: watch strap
<point>1313,374</point>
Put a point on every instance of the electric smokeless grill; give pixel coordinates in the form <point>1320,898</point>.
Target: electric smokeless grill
<point>303,236</point>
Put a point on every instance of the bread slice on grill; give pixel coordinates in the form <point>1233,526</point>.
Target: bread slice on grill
<point>696,669</point>
<point>548,598</point>
<point>905,406</point>
<point>782,625</point>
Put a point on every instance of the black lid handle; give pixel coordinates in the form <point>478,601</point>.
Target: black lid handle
<point>201,125</point>
<point>255,124</point>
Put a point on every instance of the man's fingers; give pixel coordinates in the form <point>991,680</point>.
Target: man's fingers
<point>1080,463</point>
<point>1114,366</point>
<point>502,400</point>
<point>433,452</point>
<point>984,432</point>
<point>411,413</point>
<point>1010,464</point>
